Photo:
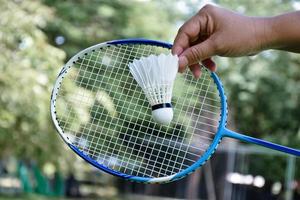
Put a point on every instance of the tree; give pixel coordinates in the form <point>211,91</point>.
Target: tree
<point>264,90</point>
<point>84,24</point>
<point>28,67</point>
<point>30,62</point>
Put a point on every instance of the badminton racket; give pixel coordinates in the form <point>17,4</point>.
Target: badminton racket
<point>102,114</point>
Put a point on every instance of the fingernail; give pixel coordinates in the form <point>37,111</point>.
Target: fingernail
<point>197,75</point>
<point>183,62</point>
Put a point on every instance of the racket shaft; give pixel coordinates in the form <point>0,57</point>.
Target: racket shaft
<point>270,145</point>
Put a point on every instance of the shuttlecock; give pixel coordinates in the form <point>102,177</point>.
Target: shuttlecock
<point>156,75</point>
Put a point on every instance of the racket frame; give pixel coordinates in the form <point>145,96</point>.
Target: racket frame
<point>221,132</point>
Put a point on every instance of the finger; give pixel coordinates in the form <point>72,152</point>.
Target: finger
<point>187,33</point>
<point>196,70</point>
<point>196,53</point>
<point>209,64</point>
<point>181,44</point>
<point>183,63</point>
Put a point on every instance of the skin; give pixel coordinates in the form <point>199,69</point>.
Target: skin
<point>217,31</point>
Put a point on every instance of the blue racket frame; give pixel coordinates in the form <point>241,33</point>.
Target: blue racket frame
<point>222,130</point>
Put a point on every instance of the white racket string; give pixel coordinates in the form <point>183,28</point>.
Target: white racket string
<point>108,117</point>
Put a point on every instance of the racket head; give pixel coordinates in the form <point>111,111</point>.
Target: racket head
<point>145,177</point>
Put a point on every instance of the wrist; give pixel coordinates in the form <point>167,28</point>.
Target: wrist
<point>281,32</point>
<point>265,34</point>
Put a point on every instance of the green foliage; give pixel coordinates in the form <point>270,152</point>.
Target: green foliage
<point>267,87</point>
<point>84,24</point>
<point>264,90</point>
<point>264,98</point>
<point>28,67</point>
<point>258,7</point>
<point>30,62</point>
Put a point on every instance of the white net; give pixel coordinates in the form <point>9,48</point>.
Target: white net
<point>103,112</point>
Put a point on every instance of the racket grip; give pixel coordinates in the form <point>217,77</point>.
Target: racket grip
<point>270,145</point>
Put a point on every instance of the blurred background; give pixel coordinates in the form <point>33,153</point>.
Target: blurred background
<point>38,37</point>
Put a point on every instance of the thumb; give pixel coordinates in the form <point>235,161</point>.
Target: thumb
<point>196,53</point>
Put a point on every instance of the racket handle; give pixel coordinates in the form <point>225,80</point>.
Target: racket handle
<point>270,145</point>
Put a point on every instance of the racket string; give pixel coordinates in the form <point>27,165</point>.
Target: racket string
<point>158,153</point>
<point>185,115</point>
<point>93,119</point>
<point>142,160</point>
<point>80,84</point>
<point>146,134</point>
<point>123,57</point>
<point>149,52</point>
<point>193,108</point>
<point>117,121</point>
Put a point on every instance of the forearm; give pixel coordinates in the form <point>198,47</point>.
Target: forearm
<point>283,32</point>
<point>217,31</point>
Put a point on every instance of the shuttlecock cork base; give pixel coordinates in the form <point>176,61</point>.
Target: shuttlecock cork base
<point>156,75</point>
<point>162,113</point>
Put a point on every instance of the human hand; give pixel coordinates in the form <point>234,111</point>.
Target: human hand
<point>217,31</point>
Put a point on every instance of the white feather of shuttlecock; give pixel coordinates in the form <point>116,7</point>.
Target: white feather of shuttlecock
<point>156,75</point>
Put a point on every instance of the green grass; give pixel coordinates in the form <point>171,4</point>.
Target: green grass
<point>40,197</point>
<point>29,197</point>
